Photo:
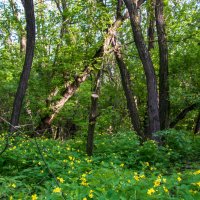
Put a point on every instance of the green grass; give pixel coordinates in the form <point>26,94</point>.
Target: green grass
<point>120,169</point>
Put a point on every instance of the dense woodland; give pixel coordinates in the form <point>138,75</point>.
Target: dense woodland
<point>100,99</point>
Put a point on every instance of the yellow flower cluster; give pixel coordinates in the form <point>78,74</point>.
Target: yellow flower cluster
<point>138,177</point>
<point>179,179</point>
<point>193,191</point>
<point>71,158</point>
<point>165,189</point>
<point>34,197</point>
<point>197,184</point>
<point>91,194</point>
<point>151,191</point>
<point>157,182</point>
<point>13,185</point>
<point>197,172</point>
<point>83,180</point>
<point>61,180</point>
<point>57,190</point>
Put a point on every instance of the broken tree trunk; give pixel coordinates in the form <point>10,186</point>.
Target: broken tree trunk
<point>93,113</point>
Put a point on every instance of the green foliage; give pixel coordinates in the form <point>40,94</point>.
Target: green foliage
<point>119,169</point>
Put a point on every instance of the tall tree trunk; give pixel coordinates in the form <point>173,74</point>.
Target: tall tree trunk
<point>164,103</point>
<point>153,112</point>
<point>151,25</point>
<point>93,113</point>
<point>126,83</point>
<point>30,27</point>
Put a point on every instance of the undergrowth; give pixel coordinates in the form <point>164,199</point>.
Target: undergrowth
<point>120,168</point>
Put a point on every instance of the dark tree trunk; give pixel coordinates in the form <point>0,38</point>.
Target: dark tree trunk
<point>197,126</point>
<point>164,103</point>
<point>126,83</point>
<point>183,113</point>
<point>30,20</point>
<point>151,26</point>
<point>93,113</point>
<point>153,112</point>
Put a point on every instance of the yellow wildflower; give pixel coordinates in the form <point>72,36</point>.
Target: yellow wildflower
<point>57,190</point>
<point>193,191</point>
<point>11,198</point>
<point>157,182</point>
<point>34,197</point>
<point>13,185</point>
<point>71,158</point>
<point>197,172</point>
<point>136,177</point>
<point>150,191</point>
<point>164,180</point>
<point>198,183</point>
<point>165,189</point>
<point>142,176</point>
<point>129,181</point>
<point>91,194</point>
<point>179,179</point>
<point>122,165</point>
<point>61,180</point>
<point>84,198</point>
<point>84,183</point>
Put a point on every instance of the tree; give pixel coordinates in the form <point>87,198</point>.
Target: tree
<point>164,102</point>
<point>23,84</point>
<point>93,112</point>
<point>153,112</point>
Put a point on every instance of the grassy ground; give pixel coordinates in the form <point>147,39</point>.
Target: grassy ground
<point>120,168</point>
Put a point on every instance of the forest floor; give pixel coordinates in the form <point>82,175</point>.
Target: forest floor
<point>119,169</point>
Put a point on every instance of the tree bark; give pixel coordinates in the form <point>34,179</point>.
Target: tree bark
<point>30,27</point>
<point>151,30</point>
<point>164,103</point>
<point>183,113</point>
<point>153,112</point>
<point>93,113</point>
<point>72,87</point>
<point>126,83</point>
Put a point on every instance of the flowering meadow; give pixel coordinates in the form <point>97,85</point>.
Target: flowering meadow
<point>119,169</point>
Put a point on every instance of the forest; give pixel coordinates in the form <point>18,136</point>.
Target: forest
<point>100,99</point>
